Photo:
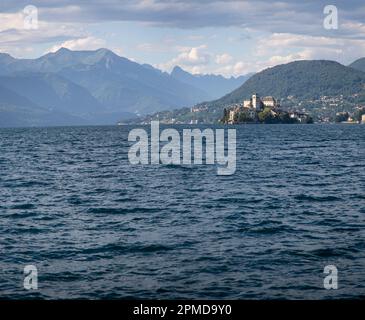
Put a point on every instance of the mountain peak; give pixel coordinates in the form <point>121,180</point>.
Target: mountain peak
<point>178,70</point>
<point>102,56</point>
<point>63,49</point>
<point>97,53</point>
<point>104,51</point>
<point>214,85</point>
<point>64,57</point>
<point>60,53</point>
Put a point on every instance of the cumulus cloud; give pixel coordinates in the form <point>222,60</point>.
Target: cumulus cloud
<point>193,56</point>
<point>223,58</point>
<point>192,59</point>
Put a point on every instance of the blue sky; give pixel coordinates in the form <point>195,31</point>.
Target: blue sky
<point>222,37</point>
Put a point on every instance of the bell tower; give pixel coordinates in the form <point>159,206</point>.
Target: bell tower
<point>256,102</point>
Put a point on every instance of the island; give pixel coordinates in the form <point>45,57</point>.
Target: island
<point>265,110</point>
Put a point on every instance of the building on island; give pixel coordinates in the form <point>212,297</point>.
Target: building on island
<point>251,107</point>
<point>261,110</point>
<point>231,116</point>
<point>270,102</point>
<point>255,102</point>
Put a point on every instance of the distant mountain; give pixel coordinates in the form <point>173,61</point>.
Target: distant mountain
<point>56,95</point>
<point>215,86</point>
<point>121,84</point>
<point>52,92</point>
<point>301,79</point>
<point>18,111</point>
<point>10,98</point>
<point>358,64</point>
<point>101,87</point>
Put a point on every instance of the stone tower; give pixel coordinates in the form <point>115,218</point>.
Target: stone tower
<point>256,102</point>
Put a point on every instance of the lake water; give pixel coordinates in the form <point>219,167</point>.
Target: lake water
<point>97,227</point>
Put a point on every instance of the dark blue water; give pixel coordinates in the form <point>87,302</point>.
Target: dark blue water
<point>97,227</point>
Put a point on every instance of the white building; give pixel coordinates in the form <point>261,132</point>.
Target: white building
<point>269,102</point>
<point>258,104</point>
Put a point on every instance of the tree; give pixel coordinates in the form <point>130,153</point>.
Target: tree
<point>225,115</point>
<point>244,117</point>
<point>266,116</point>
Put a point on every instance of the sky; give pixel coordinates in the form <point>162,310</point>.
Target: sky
<point>228,37</point>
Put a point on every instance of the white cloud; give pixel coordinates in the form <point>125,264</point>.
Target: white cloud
<point>87,43</point>
<point>11,21</point>
<point>237,68</point>
<point>275,60</point>
<point>301,17</point>
<point>19,41</point>
<point>285,47</point>
<point>194,56</point>
<point>223,58</point>
<point>192,59</point>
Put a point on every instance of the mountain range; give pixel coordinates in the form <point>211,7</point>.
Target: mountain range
<point>214,85</point>
<point>99,87</point>
<point>96,87</point>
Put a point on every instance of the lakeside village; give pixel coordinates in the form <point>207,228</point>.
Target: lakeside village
<point>268,110</point>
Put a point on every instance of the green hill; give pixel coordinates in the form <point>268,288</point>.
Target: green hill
<point>301,79</point>
<point>358,64</point>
